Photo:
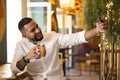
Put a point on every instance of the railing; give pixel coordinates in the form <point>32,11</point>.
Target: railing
<point>109,65</point>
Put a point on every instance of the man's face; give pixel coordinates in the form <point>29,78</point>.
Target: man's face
<point>32,31</point>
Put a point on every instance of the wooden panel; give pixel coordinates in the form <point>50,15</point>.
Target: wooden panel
<point>2,19</point>
<point>3,47</point>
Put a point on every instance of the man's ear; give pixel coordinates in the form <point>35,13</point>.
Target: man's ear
<point>23,34</point>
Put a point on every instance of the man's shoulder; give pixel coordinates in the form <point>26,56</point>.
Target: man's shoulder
<point>52,33</point>
<point>22,41</point>
<point>49,33</point>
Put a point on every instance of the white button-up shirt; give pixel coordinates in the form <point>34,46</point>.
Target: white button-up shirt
<point>48,66</point>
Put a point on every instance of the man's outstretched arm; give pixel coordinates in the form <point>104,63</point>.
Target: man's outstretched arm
<point>101,27</point>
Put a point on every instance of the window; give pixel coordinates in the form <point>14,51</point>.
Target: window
<point>41,12</point>
<point>13,34</point>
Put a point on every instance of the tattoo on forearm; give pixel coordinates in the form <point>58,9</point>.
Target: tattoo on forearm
<point>21,64</point>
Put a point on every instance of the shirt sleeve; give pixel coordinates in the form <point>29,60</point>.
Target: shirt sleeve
<point>17,56</point>
<point>72,39</point>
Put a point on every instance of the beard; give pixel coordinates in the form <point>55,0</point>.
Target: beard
<point>38,39</point>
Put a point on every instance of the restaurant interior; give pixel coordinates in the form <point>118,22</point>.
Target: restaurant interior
<point>96,60</point>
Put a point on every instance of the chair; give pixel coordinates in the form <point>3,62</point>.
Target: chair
<point>63,51</point>
<point>91,61</point>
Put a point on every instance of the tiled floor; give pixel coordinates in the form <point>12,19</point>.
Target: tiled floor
<point>78,75</point>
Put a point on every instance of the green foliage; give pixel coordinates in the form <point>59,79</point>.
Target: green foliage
<point>109,9</point>
<point>92,10</point>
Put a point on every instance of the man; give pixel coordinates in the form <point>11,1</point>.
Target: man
<point>38,53</point>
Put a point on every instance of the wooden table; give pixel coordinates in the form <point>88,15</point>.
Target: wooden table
<point>6,73</point>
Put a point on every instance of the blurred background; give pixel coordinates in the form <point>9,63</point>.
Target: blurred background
<point>98,59</point>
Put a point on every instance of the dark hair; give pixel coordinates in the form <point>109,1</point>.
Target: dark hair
<point>23,22</point>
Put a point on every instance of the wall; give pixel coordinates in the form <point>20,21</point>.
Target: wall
<point>3,49</point>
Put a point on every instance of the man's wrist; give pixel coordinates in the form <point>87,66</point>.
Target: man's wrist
<point>22,63</point>
<point>26,60</point>
<point>97,31</point>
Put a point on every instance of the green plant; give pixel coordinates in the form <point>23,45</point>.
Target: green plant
<point>109,9</point>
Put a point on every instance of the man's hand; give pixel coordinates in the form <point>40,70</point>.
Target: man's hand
<point>101,27</point>
<point>36,52</point>
<point>41,51</point>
